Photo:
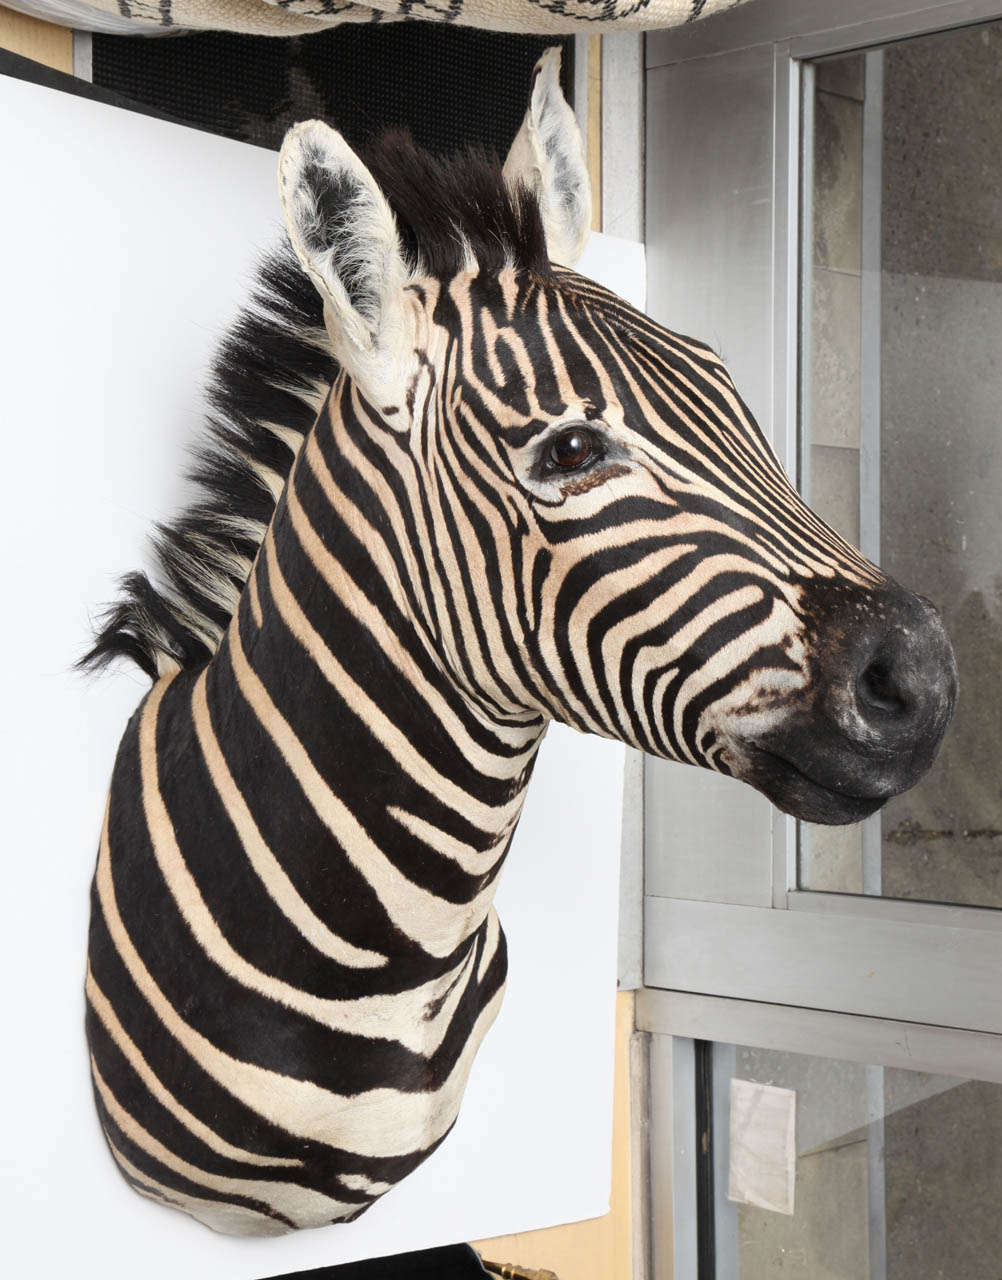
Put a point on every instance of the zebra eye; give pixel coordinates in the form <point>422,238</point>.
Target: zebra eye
<point>571,450</point>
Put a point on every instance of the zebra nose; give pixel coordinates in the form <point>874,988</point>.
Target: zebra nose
<point>886,689</point>
<point>906,685</point>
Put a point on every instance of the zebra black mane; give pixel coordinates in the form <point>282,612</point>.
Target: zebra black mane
<point>267,385</point>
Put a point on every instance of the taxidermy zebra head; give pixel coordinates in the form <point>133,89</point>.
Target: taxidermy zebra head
<point>589,523</point>
<point>454,491</point>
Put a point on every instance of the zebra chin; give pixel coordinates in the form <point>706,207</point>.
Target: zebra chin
<point>814,773</point>
<point>803,797</point>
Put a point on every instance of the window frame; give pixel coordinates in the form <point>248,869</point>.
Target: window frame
<point>735,951</point>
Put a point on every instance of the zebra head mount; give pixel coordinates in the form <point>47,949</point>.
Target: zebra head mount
<point>453,490</point>
<point>628,556</point>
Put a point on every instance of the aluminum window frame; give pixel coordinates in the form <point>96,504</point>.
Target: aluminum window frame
<point>944,950</point>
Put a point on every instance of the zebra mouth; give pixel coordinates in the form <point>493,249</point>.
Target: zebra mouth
<point>803,796</point>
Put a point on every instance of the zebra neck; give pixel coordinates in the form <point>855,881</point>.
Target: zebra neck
<point>329,696</point>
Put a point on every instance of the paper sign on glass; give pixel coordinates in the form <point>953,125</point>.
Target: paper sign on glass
<point>763,1151</point>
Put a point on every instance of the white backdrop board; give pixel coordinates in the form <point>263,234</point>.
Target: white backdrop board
<point>127,245</point>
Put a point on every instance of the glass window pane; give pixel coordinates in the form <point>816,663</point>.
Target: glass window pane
<point>904,290</point>
<point>897,1175</point>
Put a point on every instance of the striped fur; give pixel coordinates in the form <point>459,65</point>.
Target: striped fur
<point>293,954</point>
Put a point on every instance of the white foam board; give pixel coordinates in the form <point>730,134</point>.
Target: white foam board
<point>127,245</point>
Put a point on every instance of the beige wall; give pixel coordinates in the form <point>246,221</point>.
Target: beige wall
<point>593,142</point>
<point>41,41</point>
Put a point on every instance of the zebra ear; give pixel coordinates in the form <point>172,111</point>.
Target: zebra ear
<point>344,234</point>
<point>547,157</point>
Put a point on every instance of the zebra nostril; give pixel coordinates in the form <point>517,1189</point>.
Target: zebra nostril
<point>878,691</point>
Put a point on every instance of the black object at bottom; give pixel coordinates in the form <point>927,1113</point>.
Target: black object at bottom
<point>706,1246</point>
<point>453,1262</point>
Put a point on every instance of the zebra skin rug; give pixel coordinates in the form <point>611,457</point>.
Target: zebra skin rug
<point>299,17</point>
